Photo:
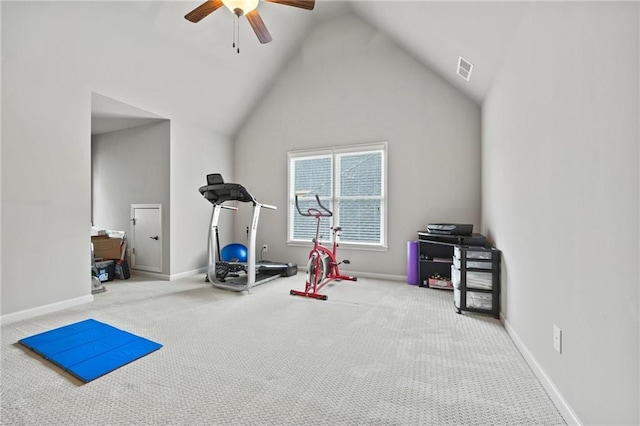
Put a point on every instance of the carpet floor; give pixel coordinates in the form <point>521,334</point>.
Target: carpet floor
<point>376,353</point>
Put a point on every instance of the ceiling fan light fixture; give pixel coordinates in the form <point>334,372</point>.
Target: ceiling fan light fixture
<point>249,8</point>
<point>245,6</point>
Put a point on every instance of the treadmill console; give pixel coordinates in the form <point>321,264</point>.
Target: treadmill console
<point>217,192</point>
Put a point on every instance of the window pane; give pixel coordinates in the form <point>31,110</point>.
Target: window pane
<point>360,220</point>
<point>361,174</point>
<point>351,182</point>
<point>313,175</point>
<point>304,228</point>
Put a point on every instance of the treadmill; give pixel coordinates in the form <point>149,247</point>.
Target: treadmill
<point>237,276</point>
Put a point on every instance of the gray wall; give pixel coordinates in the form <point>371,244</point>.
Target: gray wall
<point>108,48</point>
<point>560,198</point>
<point>1,137</point>
<point>559,157</point>
<point>349,84</point>
<point>194,154</point>
<point>131,166</point>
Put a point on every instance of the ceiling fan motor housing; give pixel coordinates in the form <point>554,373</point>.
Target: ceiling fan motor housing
<point>246,8</point>
<point>241,7</point>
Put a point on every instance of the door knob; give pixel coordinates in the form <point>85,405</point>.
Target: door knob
<point>154,238</point>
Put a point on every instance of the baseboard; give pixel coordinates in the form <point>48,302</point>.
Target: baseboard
<point>188,273</point>
<point>376,276</point>
<point>203,270</point>
<point>569,415</point>
<point>192,272</point>
<point>156,275</point>
<point>373,275</point>
<point>46,309</point>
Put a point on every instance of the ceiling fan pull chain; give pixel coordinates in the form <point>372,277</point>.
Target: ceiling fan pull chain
<point>238,31</point>
<point>234,31</point>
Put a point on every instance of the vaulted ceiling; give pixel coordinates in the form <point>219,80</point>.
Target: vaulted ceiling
<point>435,33</point>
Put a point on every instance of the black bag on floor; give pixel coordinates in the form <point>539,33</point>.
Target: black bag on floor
<point>122,269</point>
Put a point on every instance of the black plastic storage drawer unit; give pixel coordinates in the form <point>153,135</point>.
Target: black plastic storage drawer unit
<point>475,273</point>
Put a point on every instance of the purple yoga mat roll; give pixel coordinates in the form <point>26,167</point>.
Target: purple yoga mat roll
<point>412,262</point>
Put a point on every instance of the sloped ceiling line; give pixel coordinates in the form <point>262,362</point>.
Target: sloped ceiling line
<point>436,33</point>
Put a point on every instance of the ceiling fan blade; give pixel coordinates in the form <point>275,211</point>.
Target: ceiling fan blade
<point>258,26</point>
<point>302,4</point>
<point>203,10</point>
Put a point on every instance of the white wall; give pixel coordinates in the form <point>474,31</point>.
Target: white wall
<point>131,166</point>
<point>1,137</point>
<point>560,198</point>
<point>349,84</point>
<point>54,55</point>
<point>195,156</point>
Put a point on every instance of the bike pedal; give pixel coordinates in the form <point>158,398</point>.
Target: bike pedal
<point>346,262</point>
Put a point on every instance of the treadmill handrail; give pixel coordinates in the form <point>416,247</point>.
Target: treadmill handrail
<point>268,206</point>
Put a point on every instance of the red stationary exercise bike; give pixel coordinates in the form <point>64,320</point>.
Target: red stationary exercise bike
<point>323,265</point>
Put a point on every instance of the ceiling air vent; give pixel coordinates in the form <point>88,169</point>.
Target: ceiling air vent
<point>464,68</point>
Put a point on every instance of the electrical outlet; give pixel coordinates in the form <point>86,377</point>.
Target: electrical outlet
<point>265,248</point>
<point>557,339</point>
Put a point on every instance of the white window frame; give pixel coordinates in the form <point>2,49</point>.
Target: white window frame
<point>334,153</point>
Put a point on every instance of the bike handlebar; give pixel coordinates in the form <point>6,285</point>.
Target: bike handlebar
<point>313,212</point>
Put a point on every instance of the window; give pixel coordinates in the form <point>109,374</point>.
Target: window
<point>351,182</point>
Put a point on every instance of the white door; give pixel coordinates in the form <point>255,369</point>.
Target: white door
<point>146,237</point>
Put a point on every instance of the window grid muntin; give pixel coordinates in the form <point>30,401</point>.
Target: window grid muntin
<point>374,152</point>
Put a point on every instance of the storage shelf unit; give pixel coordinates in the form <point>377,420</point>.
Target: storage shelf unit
<point>475,273</point>
<point>436,256</point>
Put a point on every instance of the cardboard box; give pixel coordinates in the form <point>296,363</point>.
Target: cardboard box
<point>440,283</point>
<point>105,247</point>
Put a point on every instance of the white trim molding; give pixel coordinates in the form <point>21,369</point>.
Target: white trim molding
<point>156,275</point>
<point>561,404</point>
<point>188,274</point>
<point>45,309</point>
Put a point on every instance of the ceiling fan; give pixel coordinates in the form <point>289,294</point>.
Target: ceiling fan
<point>247,8</point>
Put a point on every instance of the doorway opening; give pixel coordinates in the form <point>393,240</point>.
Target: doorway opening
<point>129,166</point>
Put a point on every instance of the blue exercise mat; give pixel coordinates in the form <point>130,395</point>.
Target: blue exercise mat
<point>89,349</point>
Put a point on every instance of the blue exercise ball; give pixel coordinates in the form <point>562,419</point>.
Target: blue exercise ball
<point>234,253</point>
